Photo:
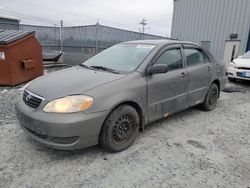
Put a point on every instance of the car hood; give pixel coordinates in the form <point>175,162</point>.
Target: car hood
<point>242,62</point>
<point>75,80</point>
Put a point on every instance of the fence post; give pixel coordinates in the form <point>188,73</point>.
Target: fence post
<point>97,38</point>
<point>61,40</point>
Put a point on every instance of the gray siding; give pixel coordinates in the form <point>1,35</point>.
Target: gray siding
<point>211,20</point>
<point>6,23</point>
<point>79,43</point>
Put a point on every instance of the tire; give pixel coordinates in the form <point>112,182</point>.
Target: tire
<point>211,98</point>
<point>119,129</point>
<point>232,79</point>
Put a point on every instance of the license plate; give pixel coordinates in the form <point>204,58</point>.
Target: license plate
<point>246,74</point>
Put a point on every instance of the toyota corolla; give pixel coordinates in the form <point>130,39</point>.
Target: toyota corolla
<point>110,97</point>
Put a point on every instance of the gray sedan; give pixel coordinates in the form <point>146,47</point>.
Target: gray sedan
<point>110,97</point>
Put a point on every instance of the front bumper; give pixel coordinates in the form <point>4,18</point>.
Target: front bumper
<point>238,73</point>
<point>61,131</point>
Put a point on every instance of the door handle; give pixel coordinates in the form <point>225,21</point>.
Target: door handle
<point>209,68</point>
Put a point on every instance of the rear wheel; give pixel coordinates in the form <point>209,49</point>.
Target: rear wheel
<point>211,98</point>
<point>232,79</point>
<point>120,129</point>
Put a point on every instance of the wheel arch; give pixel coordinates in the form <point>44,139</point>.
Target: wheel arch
<point>136,106</point>
<point>138,109</point>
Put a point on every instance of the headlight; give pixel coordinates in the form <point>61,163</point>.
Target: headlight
<point>69,104</point>
<point>232,64</point>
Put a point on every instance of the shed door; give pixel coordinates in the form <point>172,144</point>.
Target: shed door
<point>231,51</point>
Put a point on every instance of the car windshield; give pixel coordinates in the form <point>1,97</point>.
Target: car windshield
<point>246,55</point>
<point>121,57</point>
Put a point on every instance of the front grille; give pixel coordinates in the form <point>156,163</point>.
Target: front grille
<point>244,68</point>
<point>31,99</point>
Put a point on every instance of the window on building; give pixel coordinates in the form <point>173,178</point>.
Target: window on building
<point>195,56</point>
<point>172,58</point>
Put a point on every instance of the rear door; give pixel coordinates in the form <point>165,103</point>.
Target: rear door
<point>167,92</point>
<point>199,73</point>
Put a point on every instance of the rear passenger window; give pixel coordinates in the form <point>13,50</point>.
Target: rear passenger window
<point>171,58</point>
<point>195,56</point>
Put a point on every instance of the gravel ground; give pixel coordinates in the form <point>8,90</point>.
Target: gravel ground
<point>190,149</point>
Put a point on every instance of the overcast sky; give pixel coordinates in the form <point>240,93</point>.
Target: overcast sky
<point>125,14</point>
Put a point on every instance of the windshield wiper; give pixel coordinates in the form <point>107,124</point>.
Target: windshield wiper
<point>86,66</point>
<point>106,69</point>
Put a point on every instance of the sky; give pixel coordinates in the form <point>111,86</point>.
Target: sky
<point>124,14</point>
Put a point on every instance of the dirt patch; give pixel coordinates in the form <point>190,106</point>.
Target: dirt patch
<point>196,144</point>
<point>190,149</point>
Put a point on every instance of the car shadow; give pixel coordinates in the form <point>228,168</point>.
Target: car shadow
<point>98,151</point>
<point>239,86</point>
<point>62,154</point>
<point>240,83</point>
<point>245,83</point>
<point>177,115</point>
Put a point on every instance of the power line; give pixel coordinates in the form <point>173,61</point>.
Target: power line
<point>52,22</point>
<point>101,9</point>
<point>27,17</point>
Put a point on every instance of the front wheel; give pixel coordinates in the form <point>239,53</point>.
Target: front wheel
<point>120,129</point>
<point>211,98</point>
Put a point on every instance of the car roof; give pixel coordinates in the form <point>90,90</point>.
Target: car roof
<point>160,42</point>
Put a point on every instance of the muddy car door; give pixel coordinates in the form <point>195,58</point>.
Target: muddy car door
<point>167,92</point>
<point>200,73</point>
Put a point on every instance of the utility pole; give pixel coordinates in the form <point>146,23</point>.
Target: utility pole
<point>61,40</point>
<point>143,23</point>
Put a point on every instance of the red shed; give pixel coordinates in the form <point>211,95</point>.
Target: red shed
<point>20,57</point>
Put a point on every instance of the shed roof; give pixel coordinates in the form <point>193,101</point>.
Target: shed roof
<point>9,36</point>
<point>10,18</point>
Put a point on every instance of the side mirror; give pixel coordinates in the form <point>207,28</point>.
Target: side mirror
<point>157,69</point>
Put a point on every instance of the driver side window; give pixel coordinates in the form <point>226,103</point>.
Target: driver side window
<point>172,58</point>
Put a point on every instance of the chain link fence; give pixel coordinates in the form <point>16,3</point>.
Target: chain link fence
<point>82,42</point>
